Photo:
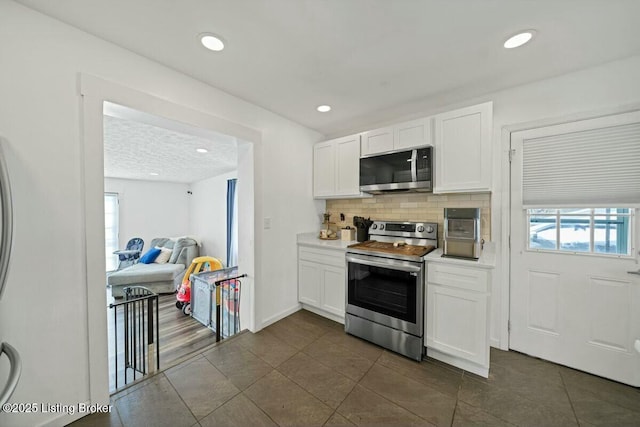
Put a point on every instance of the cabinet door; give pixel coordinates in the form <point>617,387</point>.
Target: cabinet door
<point>333,290</point>
<point>415,133</point>
<point>457,323</point>
<point>463,149</point>
<point>348,165</point>
<point>309,282</point>
<point>377,141</point>
<point>324,169</point>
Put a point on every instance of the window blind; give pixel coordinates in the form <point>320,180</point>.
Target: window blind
<point>593,167</point>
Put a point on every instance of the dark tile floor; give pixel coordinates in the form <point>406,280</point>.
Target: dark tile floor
<point>305,371</point>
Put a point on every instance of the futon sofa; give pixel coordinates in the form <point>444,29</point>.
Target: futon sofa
<point>161,278</point>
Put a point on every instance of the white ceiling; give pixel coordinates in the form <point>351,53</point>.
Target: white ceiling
<point>372,60</point>
<point>137,144</point>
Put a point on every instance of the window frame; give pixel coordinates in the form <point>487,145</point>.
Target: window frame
<point>116,226</point>
<point>592,215</point>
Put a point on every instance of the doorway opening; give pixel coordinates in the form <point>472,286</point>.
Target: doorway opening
<point>95,92</point>
<point>171,187</point>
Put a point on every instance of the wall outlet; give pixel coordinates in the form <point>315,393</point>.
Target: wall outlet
<point>267,223</point>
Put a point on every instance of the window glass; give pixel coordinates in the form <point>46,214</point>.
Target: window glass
<point>611,234</point>
<point>611,211</point>
<point>543,233</point>
<point>575,233</point>
<point>585,230</point>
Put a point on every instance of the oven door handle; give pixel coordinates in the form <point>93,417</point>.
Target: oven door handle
<point>393,265</point>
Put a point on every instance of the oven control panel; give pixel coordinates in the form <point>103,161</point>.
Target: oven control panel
<point>414,230</point>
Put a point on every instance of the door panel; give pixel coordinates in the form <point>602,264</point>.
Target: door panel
<point>542,307</point>
<point>610,296</point>
<point>578,310</point>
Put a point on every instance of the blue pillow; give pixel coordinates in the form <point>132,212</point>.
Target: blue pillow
<point>150,256</point>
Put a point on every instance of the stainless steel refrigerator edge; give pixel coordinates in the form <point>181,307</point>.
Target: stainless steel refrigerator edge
<point>6,240</point>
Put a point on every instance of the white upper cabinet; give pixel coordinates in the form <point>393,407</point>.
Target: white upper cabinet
<point>377,141</point>
<point>415,133</point>
<point>347,166</point>
<point>324,176</point>
<point>336,168</point>
<point>463,149</point>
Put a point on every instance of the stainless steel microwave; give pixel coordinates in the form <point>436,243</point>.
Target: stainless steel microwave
<point>408,171</point>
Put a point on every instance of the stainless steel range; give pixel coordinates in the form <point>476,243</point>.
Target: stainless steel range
<point>385,285</point>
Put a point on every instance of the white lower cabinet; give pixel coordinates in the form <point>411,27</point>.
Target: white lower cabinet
<point>309,278</point>
<point>457,316</point>
<point>321,281</point>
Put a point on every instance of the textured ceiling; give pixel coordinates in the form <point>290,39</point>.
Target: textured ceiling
<point>134,148</point>
<point>372,60</point>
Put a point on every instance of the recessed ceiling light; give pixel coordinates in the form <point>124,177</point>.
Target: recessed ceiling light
<point>202,150</point>
<point>154,173</point>
<point>212,42</point>
<point>324,108</point>
<point>519,39</point>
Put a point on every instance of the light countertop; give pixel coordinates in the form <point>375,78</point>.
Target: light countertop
<point>487,259</point>
<point>312,239</point>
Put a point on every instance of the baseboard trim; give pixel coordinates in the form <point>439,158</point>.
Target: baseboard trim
<point>495,343</point>
<point>323,313</point>
<point>459,363</point>
<point>278,316</point>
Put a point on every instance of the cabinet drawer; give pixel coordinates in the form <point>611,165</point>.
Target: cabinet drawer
<point>322,256</point>
<point>472,279</point>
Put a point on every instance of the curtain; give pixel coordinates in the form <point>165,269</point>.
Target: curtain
<point>232,223</point>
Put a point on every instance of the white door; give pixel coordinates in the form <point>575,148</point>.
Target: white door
<point>572,300</point>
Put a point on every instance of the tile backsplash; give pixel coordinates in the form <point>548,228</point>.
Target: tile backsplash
<point>412,207</point>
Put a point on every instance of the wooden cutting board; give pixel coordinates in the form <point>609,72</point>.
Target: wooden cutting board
<point>411,250</point>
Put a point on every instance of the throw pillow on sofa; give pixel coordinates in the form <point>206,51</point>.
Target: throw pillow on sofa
<point>150,256</point>
<point>164,256</point>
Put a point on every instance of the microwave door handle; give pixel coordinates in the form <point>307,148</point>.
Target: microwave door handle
<point>390,265</point>
<point>414,171</point>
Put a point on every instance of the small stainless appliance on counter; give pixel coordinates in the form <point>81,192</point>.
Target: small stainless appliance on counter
<point>385,285</point>
<point>462,233</point>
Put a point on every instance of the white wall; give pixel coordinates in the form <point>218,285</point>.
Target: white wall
<point>208,213</point>
<point>151,209</point>
<point>40,119</point>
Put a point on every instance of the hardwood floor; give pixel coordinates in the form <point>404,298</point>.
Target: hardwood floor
<point>179,336</point>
